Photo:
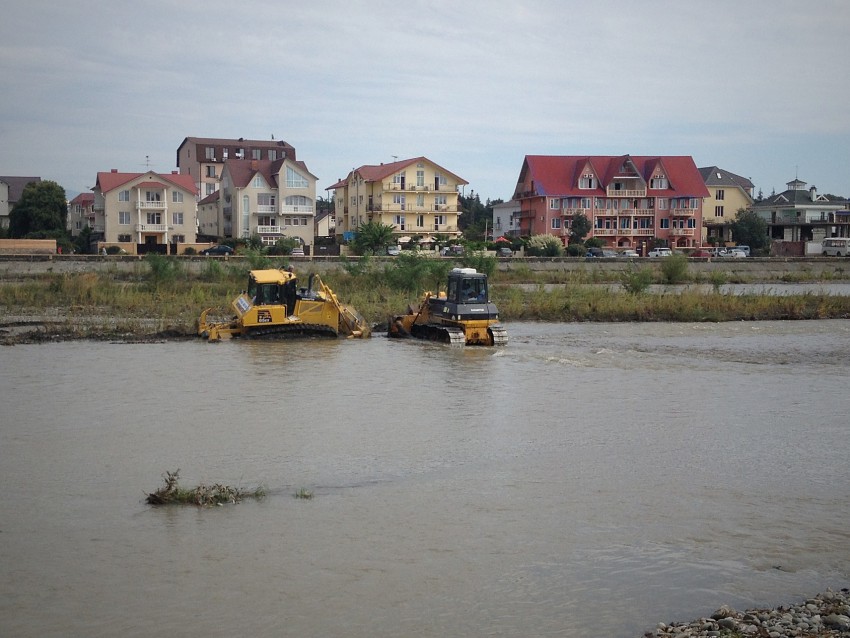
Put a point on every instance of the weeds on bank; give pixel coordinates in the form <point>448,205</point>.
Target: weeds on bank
<point>202,495</point>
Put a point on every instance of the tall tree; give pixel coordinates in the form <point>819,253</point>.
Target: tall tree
<point>749,229</point>
<point>579,228</point>
<point>42,208</point>
<point>371,237</point>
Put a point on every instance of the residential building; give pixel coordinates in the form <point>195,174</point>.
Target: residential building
<point>415,196</point>
<point>11,189</point>
<point>325,224</point>
<point>271,199</point>
<point>799,214</point>
<point>506,219</point>
<point>81,213</point>
<point>727,194</point>
<point>631,201</point>
<point>203,157</point>
<point>150,210</point>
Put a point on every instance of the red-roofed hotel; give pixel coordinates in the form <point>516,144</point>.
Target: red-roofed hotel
<point>631,201</point>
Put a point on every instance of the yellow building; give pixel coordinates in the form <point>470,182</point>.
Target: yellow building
<point>728,193</point>
<point>415,196</point>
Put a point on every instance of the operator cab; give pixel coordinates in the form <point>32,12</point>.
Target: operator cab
<point>466,286</point>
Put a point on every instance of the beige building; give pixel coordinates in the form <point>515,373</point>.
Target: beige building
<point>727,194</point>
<point>151,210</point>
<point>203,157</point>
<point>272,199</point>
<point>81,213</point>
<point>11,189</point>
<point>415,196</point>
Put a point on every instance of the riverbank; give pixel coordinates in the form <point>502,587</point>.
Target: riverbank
<point>826,615</point>
<point>162,298</point>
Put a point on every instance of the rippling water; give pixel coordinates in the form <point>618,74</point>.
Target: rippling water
<point>588,479</point>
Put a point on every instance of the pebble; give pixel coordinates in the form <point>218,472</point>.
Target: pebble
<point>826,615</point>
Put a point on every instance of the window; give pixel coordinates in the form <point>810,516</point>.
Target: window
<point>259,182</point>
<point>420,178</point>
<point>694,203</point>
<point>612,204</point>
<point>556,223</point>
<point>210,189</point>
<point>585,202</point>
<point>124,196</point>
<point>662,203</point>
<point>265,199</point>
<point>420,201</point>
<point>256,153</point>
<point>154,219</point>
<point>624,222</point>
<point>297,200</point>
<point>658,182</point>
<point>692,223</point>
<point>125,239</point>
<point>440,202</point>
<point>272,154</point>
<point>439,220</point>
<point>587,181</point>
<point>720,194</point>
<point>303,221</point>
<point>420,221</point>
<point>554,203</point>
<point>124,218</point>
<point>177,197</point>
<point>152,196</point>
<point>398,178</point>
<point>210,171</point>
<point>295,179</point>
<point>665,222</point>
<point>210,153</point>
<point>398,220</point>
<point>178,239</point>
<point>266,220</point>
<point>177,219</point>
<point>398,199</point>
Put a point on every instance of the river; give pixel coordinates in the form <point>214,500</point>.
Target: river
<point>584,480</point>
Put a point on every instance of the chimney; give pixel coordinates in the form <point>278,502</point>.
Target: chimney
<point>813,193</point>
<point>254,165</point>
<point>114,170</point>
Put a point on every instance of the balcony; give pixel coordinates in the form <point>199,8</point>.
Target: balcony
<point>569,212</point>
<point>266,209</point>
<point>151,228</point>
<point>605,232</point>
<point>613,192</point>
<point>299,210</point>
<point>642,211</point>
<point>269,230</point>
<point>683,212</point>
<point>682,232</point>
<point>150,204</point>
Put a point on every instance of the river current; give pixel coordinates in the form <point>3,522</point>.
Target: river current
<point>584,480</point>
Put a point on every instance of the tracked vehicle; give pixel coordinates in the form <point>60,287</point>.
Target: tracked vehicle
<point>462,315</point>
<point>274,306</point>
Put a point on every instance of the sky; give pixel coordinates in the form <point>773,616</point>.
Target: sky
<point>760,88</point>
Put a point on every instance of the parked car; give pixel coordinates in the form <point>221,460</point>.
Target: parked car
<point>447,251</point>
<point>659,252</point>
<point>221,249</point>
<point>629,254</point>
<point>700,253</point>
<point>504,251</point>
<point>297,252</point>
<point>733,253</point>
<point>394,251</point>
<point>744,249</point>
<point>600,252</point>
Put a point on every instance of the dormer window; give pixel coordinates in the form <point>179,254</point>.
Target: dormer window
<point>658,182</point>
<point>587,181</point>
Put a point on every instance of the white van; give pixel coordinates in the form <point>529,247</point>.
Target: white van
<point>836,247</point>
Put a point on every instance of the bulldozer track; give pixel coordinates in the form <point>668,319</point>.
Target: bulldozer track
<point>500,335</point>
<point>444,334</point>
<point>291,331</point>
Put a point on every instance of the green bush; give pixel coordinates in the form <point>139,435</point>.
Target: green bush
<point>674,269</point>
<point>635,280</point>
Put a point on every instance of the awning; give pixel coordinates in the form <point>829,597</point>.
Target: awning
<point>404,240</point>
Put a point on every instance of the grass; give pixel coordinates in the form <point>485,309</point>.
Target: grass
<point>202,496</point>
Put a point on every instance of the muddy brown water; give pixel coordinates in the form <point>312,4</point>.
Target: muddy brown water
<point>587,479</point>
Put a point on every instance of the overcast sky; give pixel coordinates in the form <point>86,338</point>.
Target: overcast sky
<point>757,87</point>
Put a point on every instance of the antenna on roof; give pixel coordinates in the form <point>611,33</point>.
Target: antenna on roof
<point>395,158</point>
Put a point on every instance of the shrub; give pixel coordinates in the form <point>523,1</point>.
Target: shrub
<point>636,281</point>
<point>674,269</point>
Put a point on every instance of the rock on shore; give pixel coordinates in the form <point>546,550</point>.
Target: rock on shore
<point>825,615</point>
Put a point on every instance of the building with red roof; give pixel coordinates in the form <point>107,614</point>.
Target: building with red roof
<point>80,213</point>
<point>416,196</point>
<point>147,212</point>
<point>631,201</point>
<point>265,198</point>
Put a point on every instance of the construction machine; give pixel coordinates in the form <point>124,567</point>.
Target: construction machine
<point>274,306</point>
<point>461,315</point>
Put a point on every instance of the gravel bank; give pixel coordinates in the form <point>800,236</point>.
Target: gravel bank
<point>824,615</point>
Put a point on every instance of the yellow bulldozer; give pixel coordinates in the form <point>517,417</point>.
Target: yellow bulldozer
<point>273,306</point>
<point>463,315</point>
